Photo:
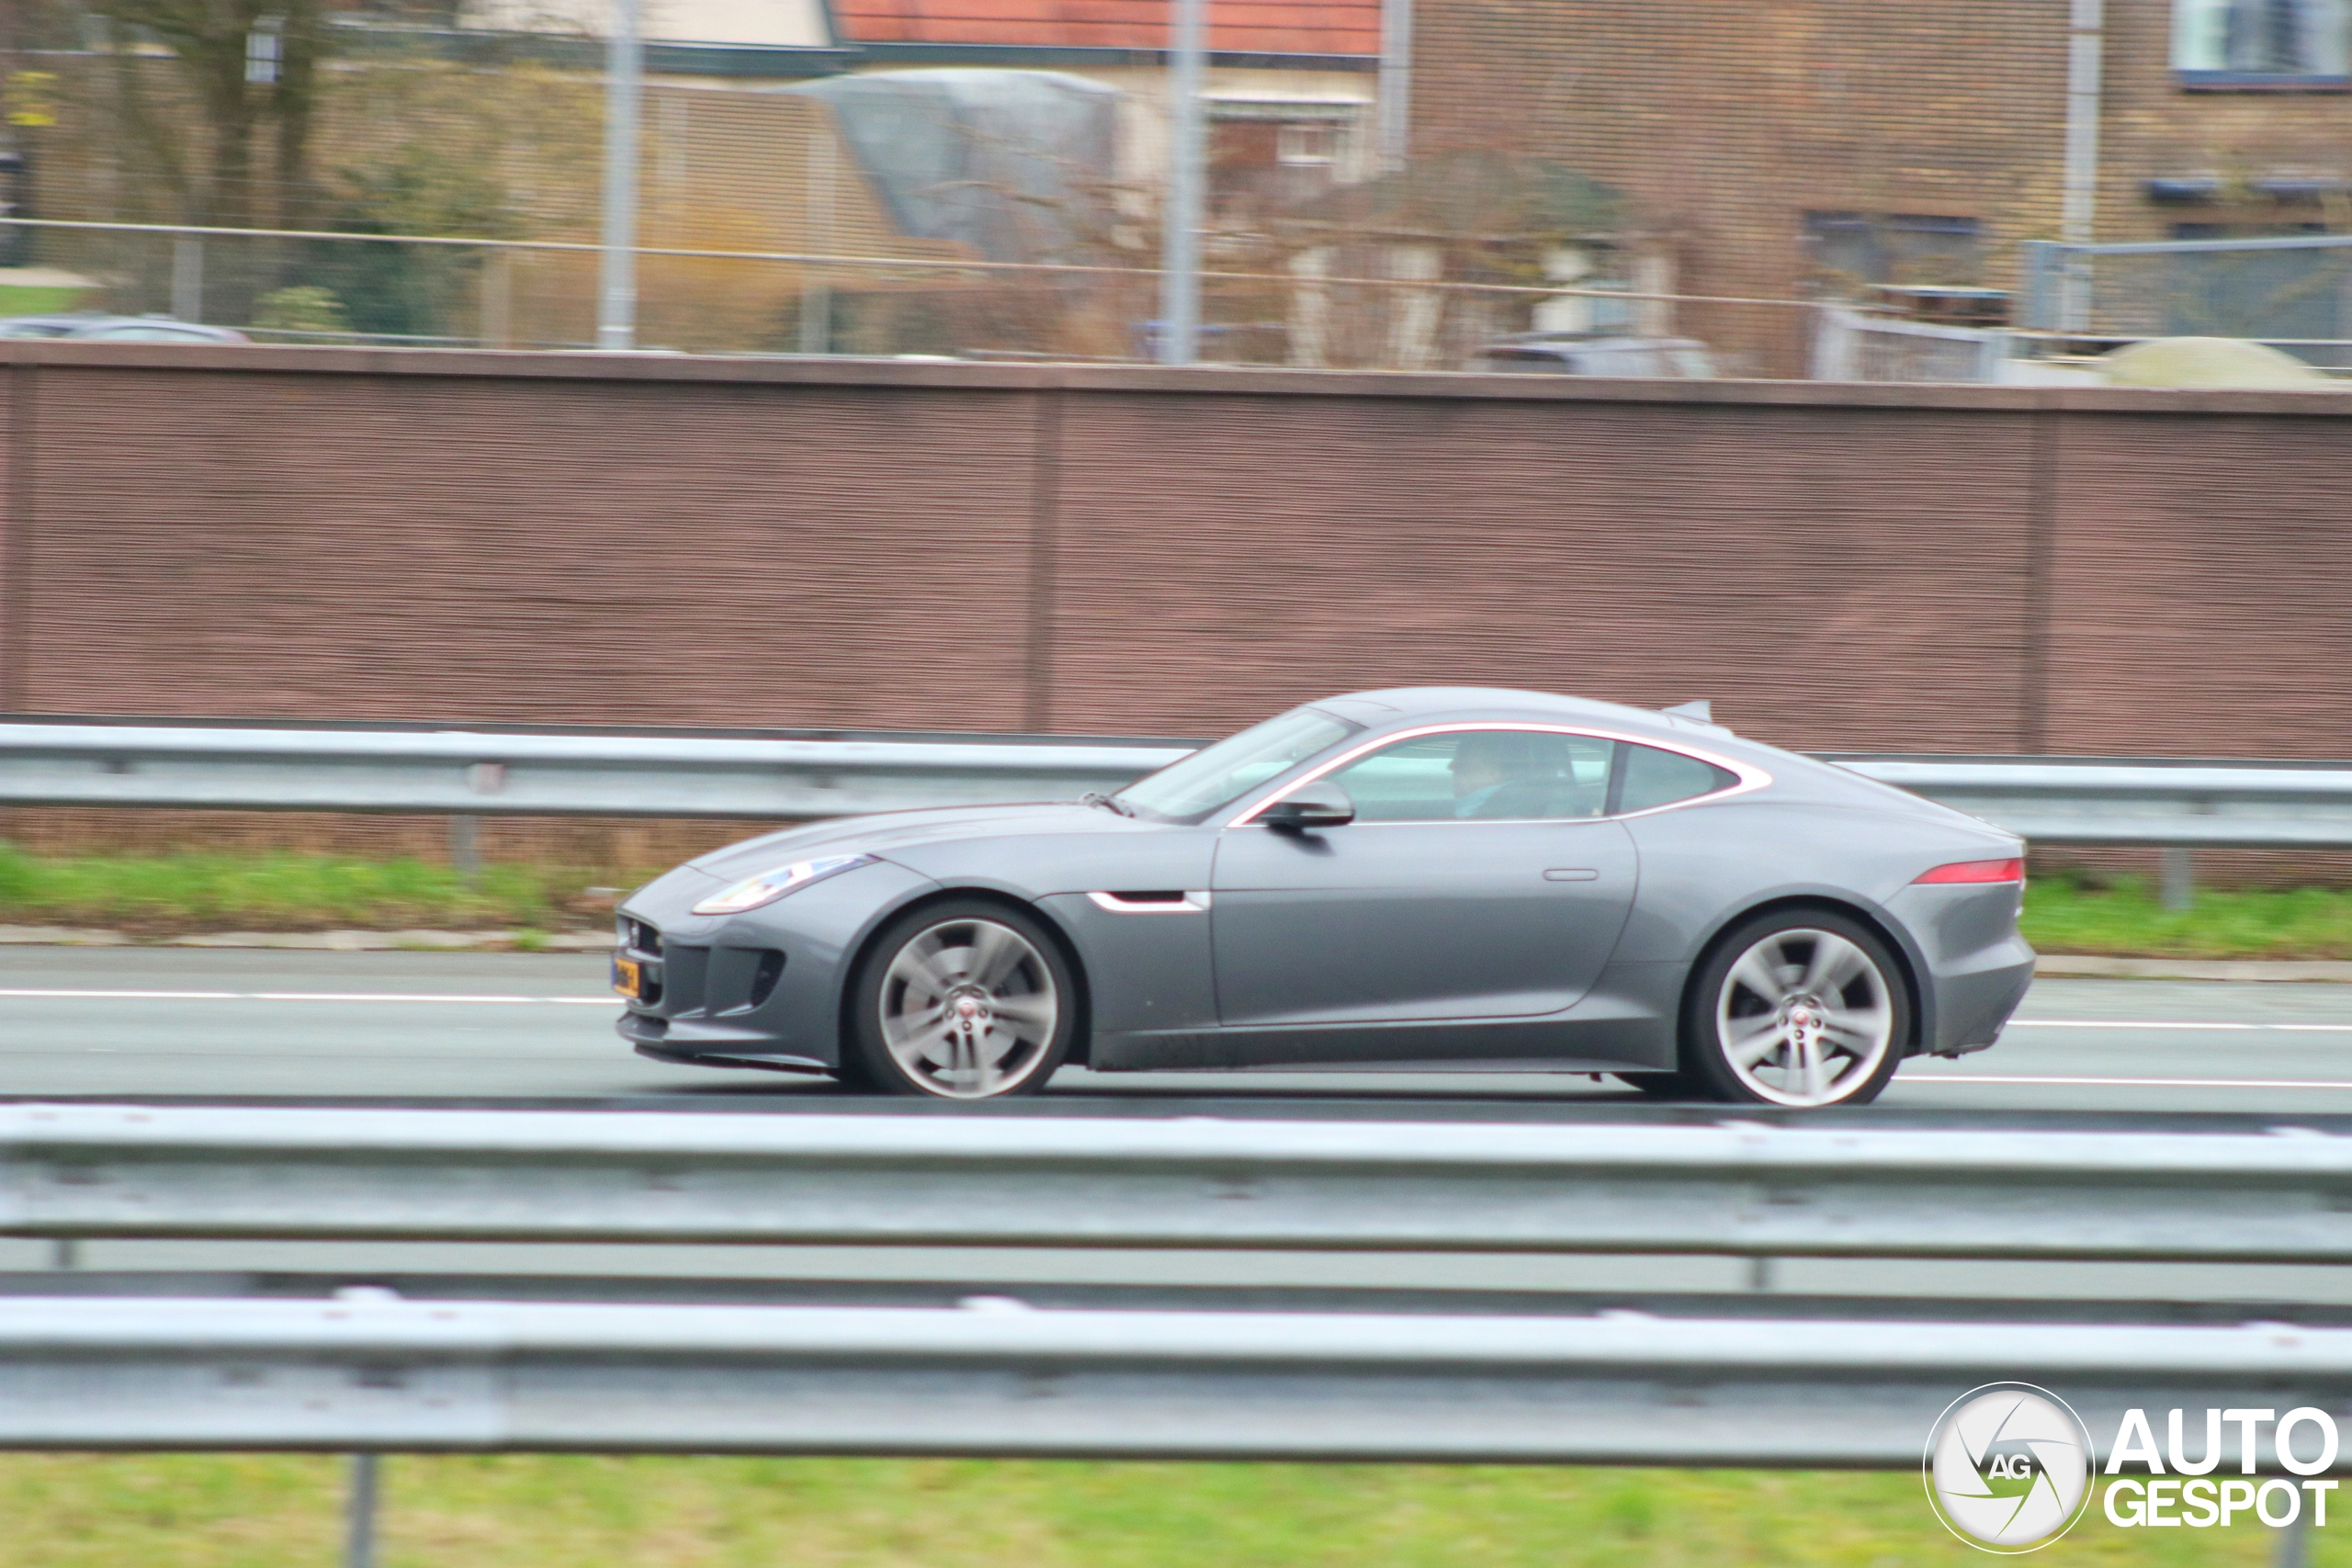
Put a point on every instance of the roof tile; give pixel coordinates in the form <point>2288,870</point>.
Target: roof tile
<point>1253,27</point>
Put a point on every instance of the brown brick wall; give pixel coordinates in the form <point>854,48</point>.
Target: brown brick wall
<point>1770,558</point>
<point>515,550</point>
<point>481,539</point>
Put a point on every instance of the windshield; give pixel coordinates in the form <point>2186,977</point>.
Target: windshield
<point>1188,790</point>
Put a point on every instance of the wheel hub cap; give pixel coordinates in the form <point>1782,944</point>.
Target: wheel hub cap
<point>968,1009</point>
<point>1804,1018</point>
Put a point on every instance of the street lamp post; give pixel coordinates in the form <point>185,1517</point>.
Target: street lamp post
<point>616,275</point>
<point>1394,109</point>
<point>1179,265</point>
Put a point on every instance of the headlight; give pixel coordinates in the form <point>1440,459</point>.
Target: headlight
<point>770,886</point>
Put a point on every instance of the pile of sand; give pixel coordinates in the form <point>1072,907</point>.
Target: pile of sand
<point>2213,362</point>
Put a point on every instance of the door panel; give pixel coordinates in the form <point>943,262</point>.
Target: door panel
<point>1388,922</point>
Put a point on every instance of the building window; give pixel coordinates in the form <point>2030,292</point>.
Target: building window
<point>2262,43</point>
<point>1850,250</point>
<point>1271,156</point>
<point>1309,146</point>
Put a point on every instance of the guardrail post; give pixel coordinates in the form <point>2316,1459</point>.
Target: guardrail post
<point>2288,1551</point>
<point>359,1515</point>
<point>2180,877</point>
<point>465,846</point>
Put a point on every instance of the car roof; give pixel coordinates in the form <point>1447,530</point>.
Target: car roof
<point>1571,343</point>
<point>1416,703</point>
<point>86,321</point>
<point>167,323</point>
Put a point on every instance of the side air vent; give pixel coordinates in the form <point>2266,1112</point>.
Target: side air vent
<point>764,976</point>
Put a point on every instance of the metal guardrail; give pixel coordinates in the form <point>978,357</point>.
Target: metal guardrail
<point>995,1377</point>
<point>1734,1188</point>
<point>2046,799</point>
<point>1398,1376</point>
<point>463,772</point>
<point>2179,802</point>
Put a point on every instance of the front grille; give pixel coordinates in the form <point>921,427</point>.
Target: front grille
<point>638,937</point>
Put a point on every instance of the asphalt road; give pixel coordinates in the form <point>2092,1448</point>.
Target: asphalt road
<point>96,1022</point>
<point>240,1023</point>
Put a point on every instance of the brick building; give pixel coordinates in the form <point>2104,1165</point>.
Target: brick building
<point>1783,149</point>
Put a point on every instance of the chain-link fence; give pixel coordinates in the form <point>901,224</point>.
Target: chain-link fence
<point>2293,291</point>
<point>427,290</point>
<point>443,191</point>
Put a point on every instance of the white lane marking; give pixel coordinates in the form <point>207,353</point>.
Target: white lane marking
<point>1948,1079</point>
<point>2152,1023</point>
<point>57,994</point>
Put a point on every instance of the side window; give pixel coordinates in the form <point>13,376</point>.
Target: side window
<point>1481,775</point>
<point>1653,777</point>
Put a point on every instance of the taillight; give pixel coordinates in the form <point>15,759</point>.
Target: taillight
<point>1978,871</point>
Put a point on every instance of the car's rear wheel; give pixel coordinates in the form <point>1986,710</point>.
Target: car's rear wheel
<point>1800,1007</point>
<point>968,1000</point>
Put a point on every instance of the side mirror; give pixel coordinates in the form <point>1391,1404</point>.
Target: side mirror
<point>1318,805</point>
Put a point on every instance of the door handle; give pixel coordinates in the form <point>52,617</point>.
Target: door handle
<point>1572,874</point>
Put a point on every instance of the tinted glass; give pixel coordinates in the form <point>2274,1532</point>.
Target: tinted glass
<point>1481,775</point>
<point>1192,788</point>
<point>1660,778</point>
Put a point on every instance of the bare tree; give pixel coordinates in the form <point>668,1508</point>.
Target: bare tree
<point>249,68</point>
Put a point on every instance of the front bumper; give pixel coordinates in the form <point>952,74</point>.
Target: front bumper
<point>761,988</point>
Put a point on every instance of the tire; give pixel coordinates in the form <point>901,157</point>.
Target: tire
<point>967,1000</point>
<point>1800,1007</point>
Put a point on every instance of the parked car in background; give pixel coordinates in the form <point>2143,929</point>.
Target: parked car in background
<point>92,326</point>
<point>1572,354</point>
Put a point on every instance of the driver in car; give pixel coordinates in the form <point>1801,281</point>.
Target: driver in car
<point>1504,773</point>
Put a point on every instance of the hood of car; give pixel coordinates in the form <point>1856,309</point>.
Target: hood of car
<point>894,829</point>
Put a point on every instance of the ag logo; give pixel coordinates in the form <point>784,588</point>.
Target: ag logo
<point>2008,1467</point>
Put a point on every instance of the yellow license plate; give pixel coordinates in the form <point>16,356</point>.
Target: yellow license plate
<point>628,977</point>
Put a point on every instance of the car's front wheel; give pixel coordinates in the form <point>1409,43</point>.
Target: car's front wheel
<point>966,1001</point>
<point>1799,1008</point>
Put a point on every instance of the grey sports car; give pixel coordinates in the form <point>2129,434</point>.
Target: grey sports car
<point>1426,879</point>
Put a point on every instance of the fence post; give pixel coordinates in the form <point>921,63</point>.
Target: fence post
<point>188,278</point>
<point>1833,336</point>
<point>816,285</point>
<point>496,326</point>
<point>2044,265</point>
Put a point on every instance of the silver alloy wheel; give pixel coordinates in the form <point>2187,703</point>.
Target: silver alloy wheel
<point>1804,1017</point>
<point>968,1009</point>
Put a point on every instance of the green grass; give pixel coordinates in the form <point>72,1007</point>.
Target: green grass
<point>38,299</point>
<point>269,1510</point>
<point>167,894</point>
<point>172,893</point>
<point>2065,915</point>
